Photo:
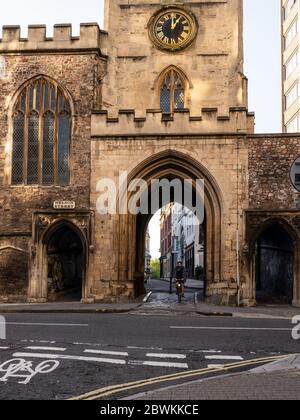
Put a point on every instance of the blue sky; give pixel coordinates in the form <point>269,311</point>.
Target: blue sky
<point>262,44</point>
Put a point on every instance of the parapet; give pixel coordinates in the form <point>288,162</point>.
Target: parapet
<point>239,121</point>
<point>91,38</point>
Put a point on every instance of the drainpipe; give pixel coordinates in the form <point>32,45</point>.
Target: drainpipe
<point>238,280</point>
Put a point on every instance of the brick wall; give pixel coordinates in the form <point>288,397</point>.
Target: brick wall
<point>270,160</point>
<point>13,275</point>
<point>77,74</point>
<point>18,203</point>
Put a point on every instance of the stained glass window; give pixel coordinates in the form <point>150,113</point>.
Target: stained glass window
<point>41,135</point>
<point>172,94</point>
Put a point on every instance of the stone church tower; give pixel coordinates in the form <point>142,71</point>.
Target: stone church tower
<point>159,94</point>
<point>174,105</point>
<point>211,64</point>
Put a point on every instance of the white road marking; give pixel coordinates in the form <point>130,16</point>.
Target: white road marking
<point>112,353</point>
<point>158,364</point>
<point>147,297</point>
<point>166,356</point>
<point>220,357</point>
<point>66,357</point>
<point>38,341</point>
<point>144,348</point>
<point>4,348</point>
<point>41,324</point>
<point>215,366</point>
<point>24,370</point>
<point>46,348</point>
<point>231,328</point>
<point>208,351</point>
<point>88,344</point>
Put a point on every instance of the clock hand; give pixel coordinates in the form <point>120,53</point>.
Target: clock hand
<point>176,22</point>
<point>172,25</point>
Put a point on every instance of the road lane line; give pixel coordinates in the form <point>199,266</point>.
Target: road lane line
<point>45,348</point>
<point>230,328</point>
<point>220,357</point>
<point>4,348</point>
<point>66,357</point>
<point>146,298</point>
<point>41,324</point>
<point>112,353</point>
<point>158,364</point>
<point>166,356</point>
<point>114,389</point>
<point>215,366</point>
<point>144,348</point>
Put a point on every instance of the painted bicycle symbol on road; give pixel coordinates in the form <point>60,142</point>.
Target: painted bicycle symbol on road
<point>22,369</point>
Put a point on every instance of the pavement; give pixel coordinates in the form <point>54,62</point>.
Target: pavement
<point>159,300</point>
<point>275,381</point>
<point>68,308</point>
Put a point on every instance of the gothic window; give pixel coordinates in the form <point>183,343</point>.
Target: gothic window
<point>172,93</point>
<point>41,135</point>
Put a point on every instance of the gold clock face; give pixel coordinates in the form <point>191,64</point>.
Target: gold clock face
<point>173,29</point>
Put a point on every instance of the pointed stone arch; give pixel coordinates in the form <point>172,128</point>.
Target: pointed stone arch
<point>172,164</point>
<point>60,236</point>
<point>271,224</point>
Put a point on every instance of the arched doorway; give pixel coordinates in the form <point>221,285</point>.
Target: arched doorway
<point>274,274</point>
<point>173,165</point>
<point>65,263</point>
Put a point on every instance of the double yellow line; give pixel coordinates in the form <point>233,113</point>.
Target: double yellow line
<point>115,389</point>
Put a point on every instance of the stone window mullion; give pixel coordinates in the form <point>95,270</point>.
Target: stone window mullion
<point>26,133</point>
<point>172,91</point>
<point>41,132</point>
<point>55,148</point>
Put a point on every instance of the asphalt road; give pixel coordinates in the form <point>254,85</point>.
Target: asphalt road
<point>161,296</point>
<point>91,351</point>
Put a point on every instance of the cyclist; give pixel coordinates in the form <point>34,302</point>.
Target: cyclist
<point>180,277</point>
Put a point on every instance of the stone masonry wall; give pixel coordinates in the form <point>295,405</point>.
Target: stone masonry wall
<point>77,74</point>
<point>213,63</point>
<point>270,161</point>
<point>66,70</point>
<point>226,159</point>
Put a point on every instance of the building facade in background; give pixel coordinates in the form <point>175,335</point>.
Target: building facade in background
<point>160,93</point>
<point>147,256</point>
<point>166,245</point>
<point>182,240</point>
<point>290,65</point>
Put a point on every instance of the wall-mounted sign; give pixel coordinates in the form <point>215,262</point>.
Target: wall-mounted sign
<point>64,205</point>
<point>295,174</point>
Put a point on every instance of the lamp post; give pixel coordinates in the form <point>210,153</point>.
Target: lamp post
<point>174,252</point>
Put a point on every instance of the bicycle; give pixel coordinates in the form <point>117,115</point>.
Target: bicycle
<point>179,290</point>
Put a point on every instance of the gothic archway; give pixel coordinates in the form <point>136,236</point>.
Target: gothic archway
<point>172,165</point>
<point>274,268</point>
<point>275,263</point>
<point>62,258</point>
